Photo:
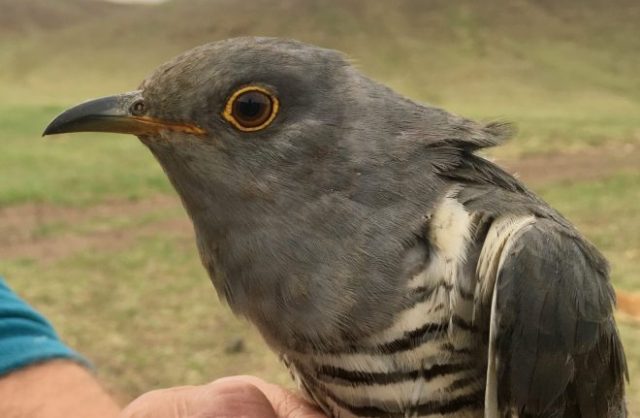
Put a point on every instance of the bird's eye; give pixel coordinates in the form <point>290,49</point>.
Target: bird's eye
<point>138,108</point>
<point>251,109</point>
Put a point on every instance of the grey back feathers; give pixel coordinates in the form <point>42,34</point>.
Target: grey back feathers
<point>387,263</point>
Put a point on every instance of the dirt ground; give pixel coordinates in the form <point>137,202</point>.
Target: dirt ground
<point>584,165</point>
<point>19,225</point>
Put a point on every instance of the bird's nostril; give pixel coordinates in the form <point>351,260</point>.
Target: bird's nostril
<point>138,108</point>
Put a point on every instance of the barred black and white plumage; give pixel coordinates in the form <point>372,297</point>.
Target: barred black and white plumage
<point>426,362</point>
<point>396,272</point>
<point>441,355</point>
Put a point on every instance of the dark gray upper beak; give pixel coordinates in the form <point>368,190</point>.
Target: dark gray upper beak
<point>123,113</point>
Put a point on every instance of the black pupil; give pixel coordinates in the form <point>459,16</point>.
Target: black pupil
<point>138,108</point>
<point>251,106</point>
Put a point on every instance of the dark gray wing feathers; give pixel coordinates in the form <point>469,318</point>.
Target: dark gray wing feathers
<point>557,349</point>
<point>555,327</point>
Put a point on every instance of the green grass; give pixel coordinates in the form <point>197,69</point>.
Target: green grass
<point>144,313</point>
<point>64,170</point>
<point>131,294</point>
<point>143,310</point>
<point>566,74</point>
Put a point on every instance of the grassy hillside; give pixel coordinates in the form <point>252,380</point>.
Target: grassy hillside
<point>25,18</point>
<point>91,233</point>
<point>558,69</point>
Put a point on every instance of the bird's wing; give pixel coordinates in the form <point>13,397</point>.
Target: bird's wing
<point>554,350</point>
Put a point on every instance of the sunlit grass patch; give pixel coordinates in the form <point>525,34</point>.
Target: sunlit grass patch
<point>77,170</point>
<point>128,290</point>
<point>145,314</point>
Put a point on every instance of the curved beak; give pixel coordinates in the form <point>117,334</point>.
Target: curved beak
<point>114,114</point>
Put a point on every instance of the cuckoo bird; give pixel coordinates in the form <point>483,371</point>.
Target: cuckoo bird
<point>396,272</point>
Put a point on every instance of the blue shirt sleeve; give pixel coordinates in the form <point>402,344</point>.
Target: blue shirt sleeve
<point>26,337</point>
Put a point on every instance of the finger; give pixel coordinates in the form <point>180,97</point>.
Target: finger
<point>161,403</point>
<point>231,399</point>
<point>285,403</point>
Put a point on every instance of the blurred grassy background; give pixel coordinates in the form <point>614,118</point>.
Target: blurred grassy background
<point>92,235</point>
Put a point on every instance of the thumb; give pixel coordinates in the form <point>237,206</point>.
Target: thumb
<point>286,404</point>
<point>215,400</point>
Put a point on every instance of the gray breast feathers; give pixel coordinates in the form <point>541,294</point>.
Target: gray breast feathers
<point>512,317</point>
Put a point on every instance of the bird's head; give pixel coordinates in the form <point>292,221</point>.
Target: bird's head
<point>233,113</point>
<point>292,165</point>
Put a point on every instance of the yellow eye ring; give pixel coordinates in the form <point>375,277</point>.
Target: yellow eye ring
<point>251,108</point>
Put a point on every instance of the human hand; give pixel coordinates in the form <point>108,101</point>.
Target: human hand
<point>237,396</point>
